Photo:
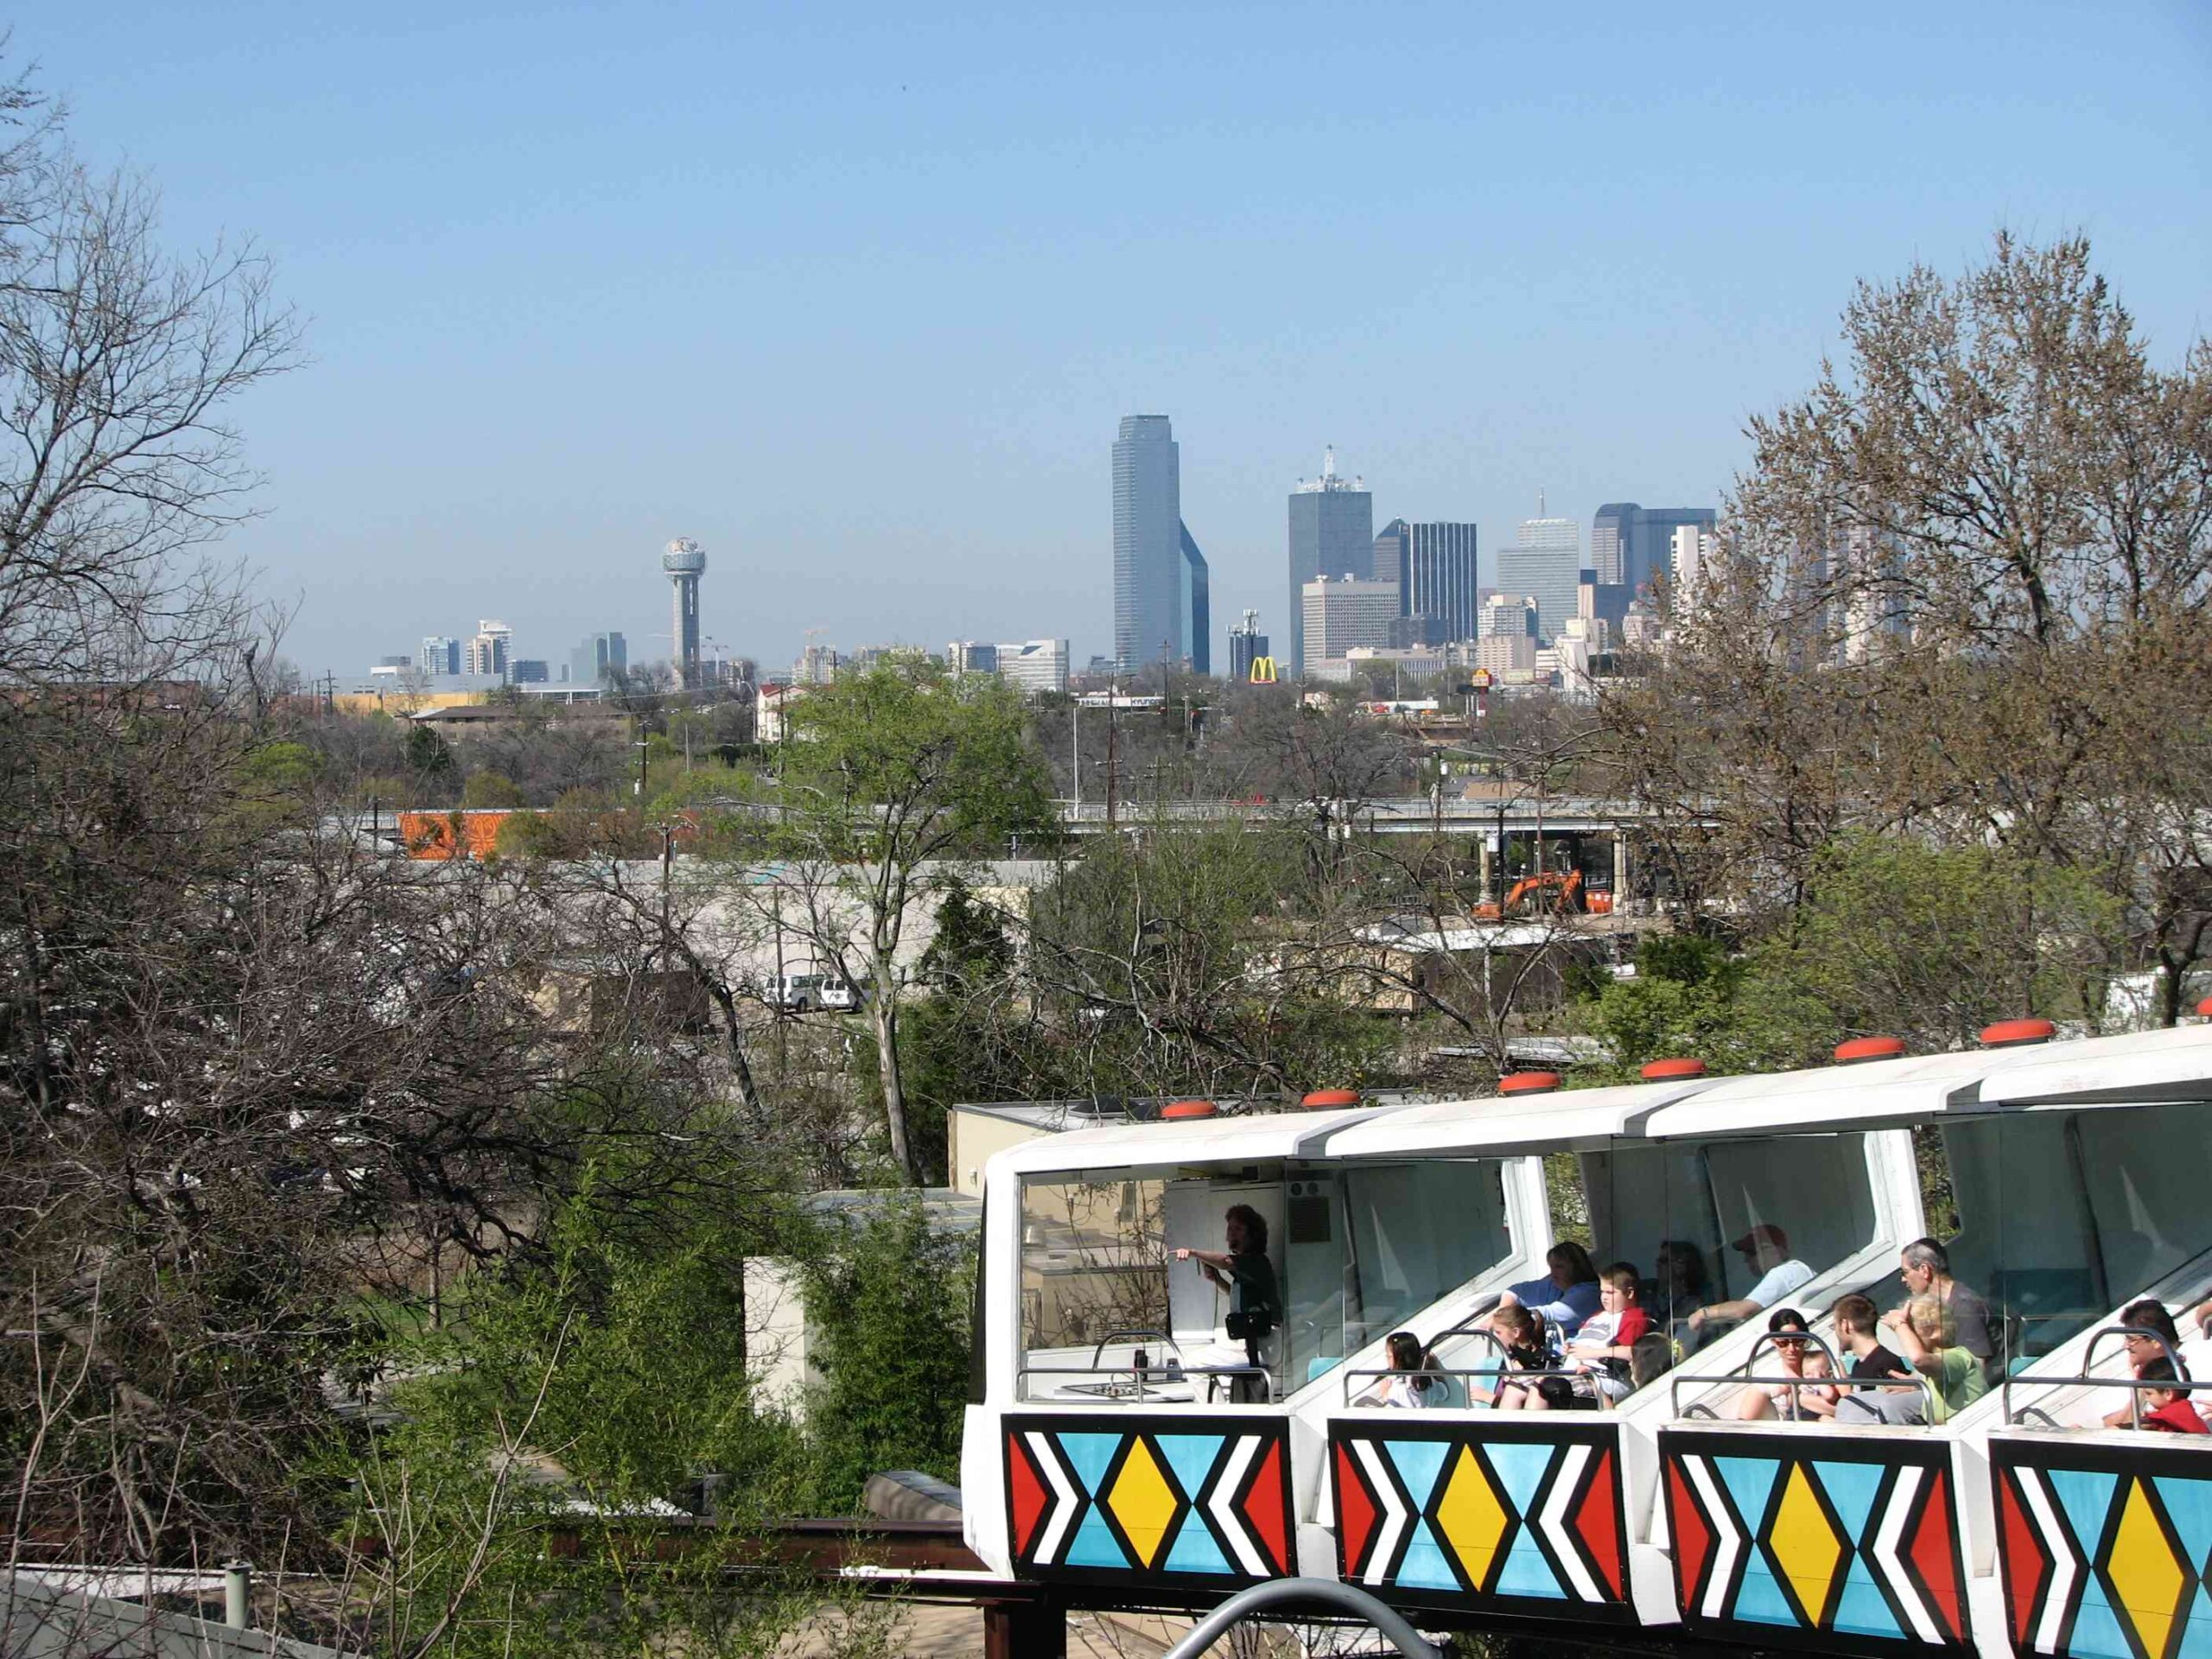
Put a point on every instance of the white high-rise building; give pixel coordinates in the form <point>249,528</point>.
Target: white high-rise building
<point>1345,612</point>
<point>1035,665</point>
<point>490,649</point>
<point>1689,566</point>
<point>1545,564</point>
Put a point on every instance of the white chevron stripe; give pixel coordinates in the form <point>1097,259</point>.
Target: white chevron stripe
<point>2063,1568</point>
<point>1728,1543</point>
<point>1223,1507</point>
<point>1064,1502</point>
<point>1885,1552</point>
<point>1386,1493</point>
<point>1554,1522</point>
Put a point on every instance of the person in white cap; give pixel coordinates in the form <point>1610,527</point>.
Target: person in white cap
<point>1766,1247</point>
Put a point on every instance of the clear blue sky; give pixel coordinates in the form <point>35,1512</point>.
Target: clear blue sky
<point>856,295</point>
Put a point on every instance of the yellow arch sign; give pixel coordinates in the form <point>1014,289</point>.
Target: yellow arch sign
<point>1263,671</point>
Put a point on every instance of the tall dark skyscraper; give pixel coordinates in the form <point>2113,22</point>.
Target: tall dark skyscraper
<point>1162,599</point>
<point>1332,535</point>
<point>1439,583</point>
<point>1246,645</point>
<point>1630,546</point>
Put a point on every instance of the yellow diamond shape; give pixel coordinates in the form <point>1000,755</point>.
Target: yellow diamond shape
<point>2144,1572</point>
<point>1805,1544</point>
<point>1142,1501</point>
<point>1471,1517</point>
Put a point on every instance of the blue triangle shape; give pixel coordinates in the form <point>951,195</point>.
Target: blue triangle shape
<point>1863,1610</point>
<point>2083,1497</point>
<point>1418,1462</point>
<point>1850,1487</point>
<point>1094,1544</point>
<point>1091,1455</point>
<point>1760,1598</point>
<point>2096,1627</point>
<point>1520,1465</point>
<point>1424,1567</point>
<point>1194,1549</point>
<point>1749,1480</point>
<point>1190,1456</point>
<point>2197,1638</point>
<point>2188,1504</point>
<point>1526,1573</point>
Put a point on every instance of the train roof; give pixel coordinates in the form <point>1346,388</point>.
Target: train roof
<point>1511,1123</point>
<point>2141,1068</point>
<point>1226,1138</point>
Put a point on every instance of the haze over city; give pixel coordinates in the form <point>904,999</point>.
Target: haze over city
<point>857,298</point>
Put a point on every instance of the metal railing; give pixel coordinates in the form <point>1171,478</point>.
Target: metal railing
<point>1157,1376</point>
<point>2134,1385</point>
<point>1746,1379</point>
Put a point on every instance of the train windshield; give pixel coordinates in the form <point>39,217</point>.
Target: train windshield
<point>1327,1259</point>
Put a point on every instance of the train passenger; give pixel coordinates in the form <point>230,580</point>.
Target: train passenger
<point>2168,1410</point>
<point>1858,1332</point>
<point>1255,1299</point>
<point>1926,1267</point>
<point>1564,1298</point>
<point>1678,1281</point>
<point>1408,1388</point>
<point>1929,1343</point>
<point>1606,1343</point>
<point>1766,1248</point>
<point>1810,1392</point>
<point>2148,1314</point>
<point>1520,1333</point>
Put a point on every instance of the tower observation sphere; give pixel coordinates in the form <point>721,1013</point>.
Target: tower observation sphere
<point>685,562</point>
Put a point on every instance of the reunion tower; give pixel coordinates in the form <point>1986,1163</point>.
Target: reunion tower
<point>685,561</point>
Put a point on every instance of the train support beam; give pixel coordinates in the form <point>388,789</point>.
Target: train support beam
<point>1025,1629</point>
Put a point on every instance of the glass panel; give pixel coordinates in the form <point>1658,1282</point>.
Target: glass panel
<point>1093,1261</point>
<point>2025,1239</point>
<point>1420,1231</point>
<point>2148,1169</point>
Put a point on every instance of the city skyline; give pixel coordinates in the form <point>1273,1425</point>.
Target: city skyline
<point>503,411</point>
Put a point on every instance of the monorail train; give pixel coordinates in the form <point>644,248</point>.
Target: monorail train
<point>1121,1445</point>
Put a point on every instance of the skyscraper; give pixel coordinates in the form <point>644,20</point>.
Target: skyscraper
<point>1438,583</point>
<point>1633,546</point>
<point>1337,614</point>
<point>491,648</point>
<point>1545,564</point>
<point>1035,664</point>
<point>1197,605</point>
<point>1332,535</point>
<point>439,655</point>
<point>602,658</point>
<point>1162,598</point>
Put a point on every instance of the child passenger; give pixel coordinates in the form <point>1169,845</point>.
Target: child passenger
<point>1929,1342</point>
<point>1522,1334</point>
<point>2168,1410</point>
<point>1408,1388</point>
<point>1606,1343</point>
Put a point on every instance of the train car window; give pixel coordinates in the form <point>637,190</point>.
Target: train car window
<point>1094,1261</point>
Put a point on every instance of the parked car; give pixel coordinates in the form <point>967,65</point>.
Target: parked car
<point>803,992</point>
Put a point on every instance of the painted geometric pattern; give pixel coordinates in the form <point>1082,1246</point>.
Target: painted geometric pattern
<point>1093,1496</point>
<point>1850,1544</point>
<point>2106,1550</point>
<point>1460,1513</point>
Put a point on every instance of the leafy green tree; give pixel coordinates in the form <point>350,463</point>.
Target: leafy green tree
<point>891,776</point>
<point>890,1304</point>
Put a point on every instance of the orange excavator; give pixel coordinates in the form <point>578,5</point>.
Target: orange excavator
<point>1566,885</point>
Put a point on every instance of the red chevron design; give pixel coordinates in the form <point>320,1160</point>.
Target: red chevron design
<point>1262,1507</point>
<point>1355,1510</point>
<point>1693,1539</point>
<point>1597,1522</point>
<point>1930,1553</point>
<point>2025,1564</point>
<point>1031,1498</point>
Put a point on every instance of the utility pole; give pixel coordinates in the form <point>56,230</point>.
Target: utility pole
<point>1113,698</point>
<point>1075,716</point>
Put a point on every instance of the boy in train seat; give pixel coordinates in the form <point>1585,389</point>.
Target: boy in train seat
<point>2168,1410</point>
<point>1605,1345</point>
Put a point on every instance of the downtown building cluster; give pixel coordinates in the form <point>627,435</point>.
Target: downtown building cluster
<point>1412,596</point>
